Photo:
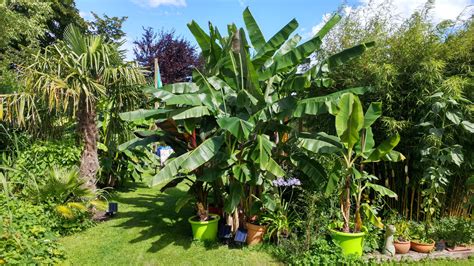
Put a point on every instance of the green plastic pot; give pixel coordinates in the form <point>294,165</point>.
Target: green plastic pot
<point>206,230</point>
<point>350,243</point>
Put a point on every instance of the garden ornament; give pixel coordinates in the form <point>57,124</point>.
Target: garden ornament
<point>389,247</point>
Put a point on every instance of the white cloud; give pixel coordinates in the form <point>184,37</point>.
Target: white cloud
<point>157,3</point>
<point>443,9</point>
<point>85,15</point>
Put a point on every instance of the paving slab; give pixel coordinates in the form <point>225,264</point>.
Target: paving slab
<point>416,256</point>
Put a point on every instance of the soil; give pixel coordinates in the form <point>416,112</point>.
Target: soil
<point>209,218</point>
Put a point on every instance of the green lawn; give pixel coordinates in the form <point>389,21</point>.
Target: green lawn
<point>147,231</point>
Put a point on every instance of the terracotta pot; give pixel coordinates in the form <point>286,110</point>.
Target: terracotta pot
<point>255,233</point>
<point>423,247</point>
<point>401,247</point>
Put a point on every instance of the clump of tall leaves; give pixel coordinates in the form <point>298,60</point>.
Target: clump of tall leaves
<point>63,188</point>
<point>414,59</point>
<point>446,129</point>
<point>229,128</point>
<point>355,146</point>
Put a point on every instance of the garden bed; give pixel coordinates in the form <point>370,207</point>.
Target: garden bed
<point>416,256</point>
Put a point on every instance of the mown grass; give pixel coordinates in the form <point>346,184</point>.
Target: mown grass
<point>147,231</point>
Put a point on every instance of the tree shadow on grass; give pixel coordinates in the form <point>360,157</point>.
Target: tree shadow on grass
<point>156,215</point>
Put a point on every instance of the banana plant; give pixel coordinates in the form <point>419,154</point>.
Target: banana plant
<point>355,146</point>
<point>229,122</point>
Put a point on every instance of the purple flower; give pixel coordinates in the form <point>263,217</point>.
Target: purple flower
<point>291,182</point>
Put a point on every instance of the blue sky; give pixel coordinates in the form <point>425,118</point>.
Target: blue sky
<point>270,14</point>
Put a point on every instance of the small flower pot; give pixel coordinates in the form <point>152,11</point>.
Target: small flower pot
<point>204,230</point>
<point>255,233</point>
<point>350,243</point>
<point>422,247</point>
<point>402,247</point>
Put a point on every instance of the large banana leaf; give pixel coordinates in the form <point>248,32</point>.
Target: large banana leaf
<point>215,50</point>
<point>383,191</point>
<point>289,45</point>
<point>328,26</point>
<point>349,119</point>
<point>369,144</point>
<point>201,37</point>
<point>321,143</point>
<point>239,128</point>
<point>347,54</point>
<point>141,114</point>
<point>236,192</point>
<point>193,112</point>
<point>186,99</point>
<point>220,85</point>
<point>292,58</point>
<point>247,67</point>
<point>136,142</point>
<point>214,98</point>
<point>262,155</point>
<point>255,35</point>
<point>274,43</point>
<point>373,113</point>
<point>319,105</point>
<point>242,173</point>
<point>182,87</point>
<point>181,202</point>
<point>372,215</point>
<point>310,167</point>
<point>203,153</point>
<point>384,148</point>
<point>296,56</point>
<point>170,170</point>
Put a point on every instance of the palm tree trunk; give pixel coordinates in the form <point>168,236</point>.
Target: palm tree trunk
<point>88,129</point>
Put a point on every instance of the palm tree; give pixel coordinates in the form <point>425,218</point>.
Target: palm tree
<point>70,77</point>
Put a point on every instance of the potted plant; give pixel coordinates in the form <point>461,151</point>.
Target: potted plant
<point>254,206</point>
<point>234,115</point>
<point>421,241</point>
<point>278,216</point>
<point>355,145</point>
<point>402,237</point>
<point>255,232</point>
<point>204,224</point>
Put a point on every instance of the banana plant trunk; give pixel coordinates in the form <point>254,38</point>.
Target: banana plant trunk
<point>346,204</point>
<point>88,129</point>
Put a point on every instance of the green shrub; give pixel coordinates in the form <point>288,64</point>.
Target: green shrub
<point>420,231</point>
<point>454,230</point>
<point>374,238</point>
<point>44,154</point>
<point>321,252</point>
<point>26,234</point>
<point>64,192</point>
